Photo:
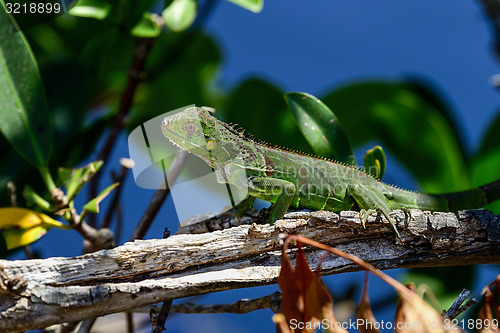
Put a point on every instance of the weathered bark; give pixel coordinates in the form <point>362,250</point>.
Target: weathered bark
<point>38,293</point>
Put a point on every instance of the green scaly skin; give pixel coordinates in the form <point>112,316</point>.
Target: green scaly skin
<point>293,179</point>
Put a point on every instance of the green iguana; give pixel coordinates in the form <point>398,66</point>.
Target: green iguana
<point>293,179</point>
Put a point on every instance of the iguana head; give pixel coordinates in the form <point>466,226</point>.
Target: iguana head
<point>196,131</point>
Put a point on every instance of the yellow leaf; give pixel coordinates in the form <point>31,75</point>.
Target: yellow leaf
<point>20,226</point>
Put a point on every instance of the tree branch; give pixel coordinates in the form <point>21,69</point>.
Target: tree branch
<point>135,75</point>
<point>271,302</point>
<point>145,272</point>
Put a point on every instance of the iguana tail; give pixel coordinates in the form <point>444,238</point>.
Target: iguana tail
<point>474,198</point>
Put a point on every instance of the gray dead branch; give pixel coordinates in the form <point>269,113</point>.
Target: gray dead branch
<point>39,293</point>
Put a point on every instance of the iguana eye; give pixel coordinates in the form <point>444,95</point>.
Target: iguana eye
<point>190,127</point>
<point>210,144</point>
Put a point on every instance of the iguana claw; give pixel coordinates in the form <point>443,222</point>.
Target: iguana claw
<point>363,215</point>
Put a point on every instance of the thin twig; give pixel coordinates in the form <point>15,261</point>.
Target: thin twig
<point>86,325</point>
<point>130,322</point>
<point>492,10</point>
<point>158,319</point>
<point>456,308</point>
<point>159,196</point>
<point>96,239</point>
<point>458,302</point>
<point>126,165</point>
<point>136,74</point>
<point>12,191</point>
<point>243,306</point>
<point>119,223</point>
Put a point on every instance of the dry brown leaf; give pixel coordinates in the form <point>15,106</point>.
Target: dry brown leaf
<point>489,313</point>
<point>306,302</point>
<point>486,314</point>
<point>292,300</point>
<point>414,315</point>
<point>368,323</point>
<point>319,305</point>
<point>281,323</point>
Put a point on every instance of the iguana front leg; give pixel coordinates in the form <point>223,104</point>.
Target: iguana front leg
<point>371,201</point>
<point>278,191</point>
<point>243,206</point>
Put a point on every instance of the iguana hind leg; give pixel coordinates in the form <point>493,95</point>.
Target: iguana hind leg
<point>278,191</point>
<point>370,201</point>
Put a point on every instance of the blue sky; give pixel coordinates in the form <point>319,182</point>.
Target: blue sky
<point>313,46</point>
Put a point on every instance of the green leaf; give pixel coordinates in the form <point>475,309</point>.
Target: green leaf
<point>74,179</point>
<point>484,169</point>
<point>147,27</point>
<point>426,90</point>
<point>24,114</point>
<point>33,198</point>
<point>374,162</point>
<point>253,5</point>
<point>320,127</point>
<point>413,130</point>
<point>484,166</point>
<point>98,10</point>
<point>491,138</point>
<point>93,205</point>
<point>180,14</point>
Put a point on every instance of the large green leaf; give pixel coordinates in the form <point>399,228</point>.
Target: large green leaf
<point>486,163</point>
<point>320,127</point>
<point>24,115</point>
<point>429,92</point>
<point>408,126</point>
<point>485,169</point>
<point>491,138</point>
